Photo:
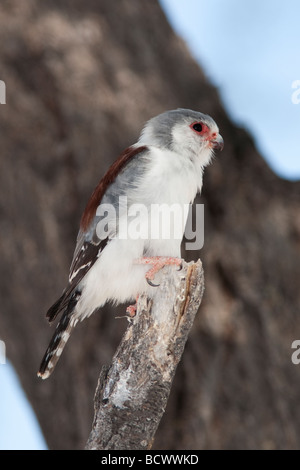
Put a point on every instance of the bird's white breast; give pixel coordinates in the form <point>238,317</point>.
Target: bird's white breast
<point>169,179</point>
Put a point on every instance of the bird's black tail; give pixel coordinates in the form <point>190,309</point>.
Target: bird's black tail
<point>59,339</point>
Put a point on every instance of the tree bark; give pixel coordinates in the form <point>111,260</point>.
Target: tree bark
<point>132,393</point>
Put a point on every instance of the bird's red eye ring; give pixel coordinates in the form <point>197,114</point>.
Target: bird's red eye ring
<point>199,127</point>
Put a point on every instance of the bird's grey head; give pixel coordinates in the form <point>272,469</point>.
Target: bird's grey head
<point>183,131</point>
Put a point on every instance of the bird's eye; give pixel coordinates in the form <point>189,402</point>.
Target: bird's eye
<point>198,127</point>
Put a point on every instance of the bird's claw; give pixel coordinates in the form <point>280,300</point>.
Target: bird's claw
<point>131,311</point>
<point>151,283</point>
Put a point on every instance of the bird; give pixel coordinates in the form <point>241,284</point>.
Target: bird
<point>164,166</point>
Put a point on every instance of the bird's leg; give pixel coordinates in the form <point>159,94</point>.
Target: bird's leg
<point>131,309</point>
<point>157,263</point>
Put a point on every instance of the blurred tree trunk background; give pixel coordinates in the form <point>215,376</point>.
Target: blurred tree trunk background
<point>81,78</point>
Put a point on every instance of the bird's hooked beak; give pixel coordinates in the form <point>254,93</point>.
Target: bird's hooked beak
<point>217,143</point>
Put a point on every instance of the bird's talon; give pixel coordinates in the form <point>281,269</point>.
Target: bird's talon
<point>151,283</point>
<point>131,310</point>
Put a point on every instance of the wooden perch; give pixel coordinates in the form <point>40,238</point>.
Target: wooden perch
<point>132,393</point>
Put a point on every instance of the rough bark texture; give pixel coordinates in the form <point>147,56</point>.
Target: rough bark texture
<point>81,79</point>
<point>132,393</point>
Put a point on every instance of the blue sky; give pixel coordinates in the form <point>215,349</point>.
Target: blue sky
<point>250,51</point>
<point>19,429</point>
